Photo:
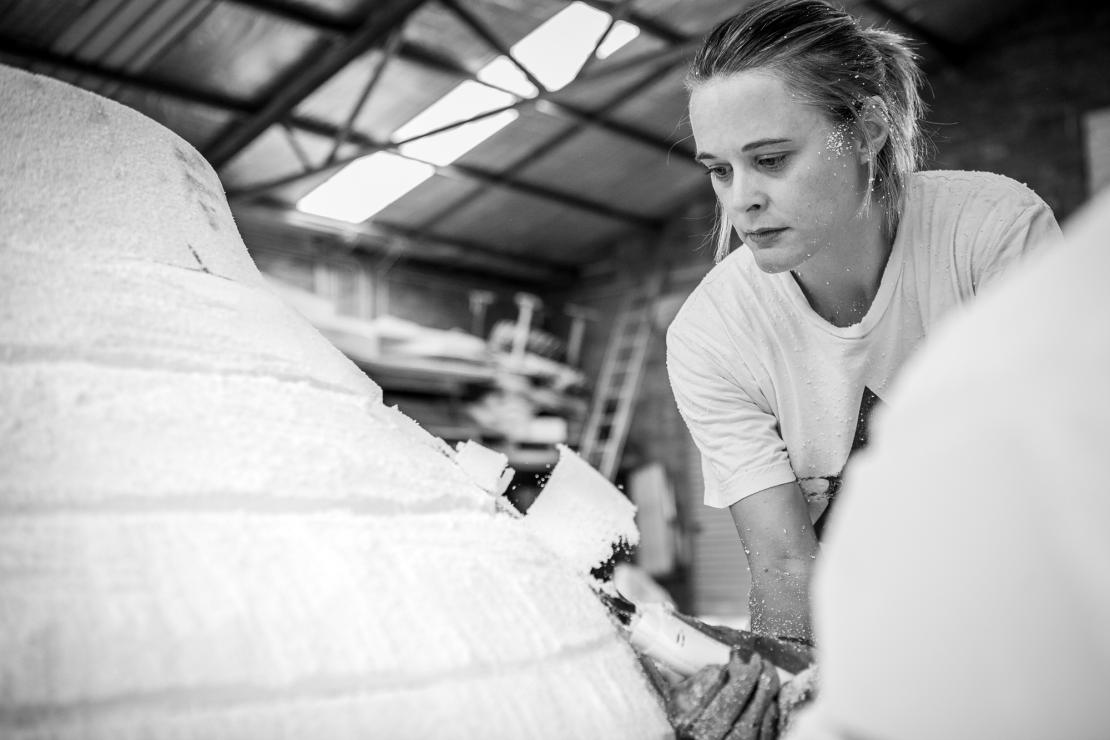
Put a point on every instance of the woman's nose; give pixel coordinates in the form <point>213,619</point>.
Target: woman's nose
<point>746,195</point>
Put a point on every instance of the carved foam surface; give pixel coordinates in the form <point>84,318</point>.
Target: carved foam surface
<point>210,526</point>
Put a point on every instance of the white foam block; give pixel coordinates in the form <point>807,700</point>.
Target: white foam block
<point>580,515</point>
<point>210,524</point>
<point>485,467</point>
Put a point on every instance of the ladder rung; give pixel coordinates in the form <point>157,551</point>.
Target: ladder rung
<point>621,370</point>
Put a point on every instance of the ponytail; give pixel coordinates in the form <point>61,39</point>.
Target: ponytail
<point>899,81</point>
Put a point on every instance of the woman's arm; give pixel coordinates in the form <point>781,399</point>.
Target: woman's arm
<point>778,538</point>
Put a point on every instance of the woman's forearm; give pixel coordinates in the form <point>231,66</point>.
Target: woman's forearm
<point>779,601</point>
<point>781,548</point>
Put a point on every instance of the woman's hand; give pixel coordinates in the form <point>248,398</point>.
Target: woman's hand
<point>781,547</point>
<point>739,700</point>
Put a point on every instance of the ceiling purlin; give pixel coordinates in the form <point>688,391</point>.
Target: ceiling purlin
<point>664,58</point>
<point>295,145</point>
<point>304,15</point>
<point>486,34</point>
<point>388,52</point>
<point>385,17</point>
<point>618,12</point>
<point>505,179</point>
<point>462,122</point>
<point>366,144</point>
<point>409,244</point>
<point>664,32</point>
<point>20,49</point>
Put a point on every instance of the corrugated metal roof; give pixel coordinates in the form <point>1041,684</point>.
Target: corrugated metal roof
<point>525,225</point>
<point>516,144</point>
<point>237,51</point>
<point>598,163</point>
<point>404,89</point>
<point>281,93</point>
<point>419,208</point>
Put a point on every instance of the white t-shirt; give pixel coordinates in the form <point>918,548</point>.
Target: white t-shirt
<point>964,588</point>
<point>773,393</point>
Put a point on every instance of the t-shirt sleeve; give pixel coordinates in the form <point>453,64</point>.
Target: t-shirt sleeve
<point>742,451</point>
<point>1017,226</point>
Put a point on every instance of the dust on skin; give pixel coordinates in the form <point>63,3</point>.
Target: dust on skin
<point>838,144</point>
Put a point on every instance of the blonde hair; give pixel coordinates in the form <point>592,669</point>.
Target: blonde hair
<point>833,63</point>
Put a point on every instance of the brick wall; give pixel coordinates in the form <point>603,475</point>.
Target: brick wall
<point>1016,104</point>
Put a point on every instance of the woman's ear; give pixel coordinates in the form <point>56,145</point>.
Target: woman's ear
<point>874,128</point>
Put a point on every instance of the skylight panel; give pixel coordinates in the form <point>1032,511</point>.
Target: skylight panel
<point>557,49</point>
<point>622,34</point>
<point>502,73</point>
<point>553,53</point>
<point>443,149</point>
<point>365,186</point>
<point>465,101</point>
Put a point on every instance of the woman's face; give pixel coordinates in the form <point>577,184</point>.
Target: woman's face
<point>790,181</point>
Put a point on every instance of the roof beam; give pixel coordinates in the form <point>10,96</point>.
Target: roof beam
<point>372,80</point>
<point>304,15</point>
<point>323,21</point>
<point>664,58</point>
<point>618,12</point>
<point>383,18</point>
<point>455,170</point>
<point>478,26</point>
<point>438,62</point>
<point>380,239</point>
<point>650,25</point>
<point>17,48</point>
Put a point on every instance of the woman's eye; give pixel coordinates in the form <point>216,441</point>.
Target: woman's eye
<point>718,173</point>
<point>771,161</point>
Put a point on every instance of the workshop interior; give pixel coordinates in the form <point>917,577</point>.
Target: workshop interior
<point>333,351</point>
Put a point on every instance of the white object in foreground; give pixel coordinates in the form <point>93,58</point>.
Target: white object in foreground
<point>210,526</point>
<point>580,515</point>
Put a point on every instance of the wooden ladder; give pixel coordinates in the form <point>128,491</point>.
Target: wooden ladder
<point>622,368</point>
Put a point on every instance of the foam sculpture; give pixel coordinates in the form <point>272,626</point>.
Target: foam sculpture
<point>212,527</point>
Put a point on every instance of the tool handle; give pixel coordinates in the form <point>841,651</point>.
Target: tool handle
<point>655,631</point>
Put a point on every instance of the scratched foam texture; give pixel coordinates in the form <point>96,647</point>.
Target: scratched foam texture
<point>580,515</point>
<point>210,526</point>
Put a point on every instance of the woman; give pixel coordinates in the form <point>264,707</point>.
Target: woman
<point>808,126</point>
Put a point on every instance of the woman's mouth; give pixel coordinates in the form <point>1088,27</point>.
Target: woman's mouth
<point>762,237</point>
